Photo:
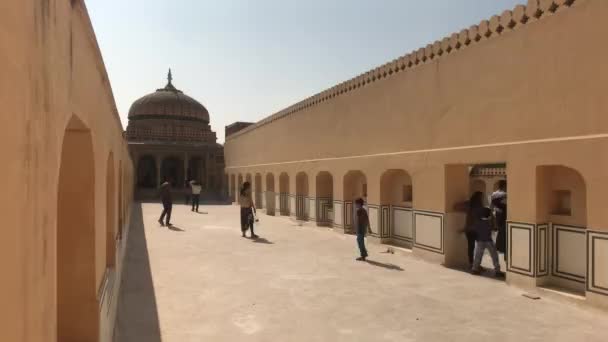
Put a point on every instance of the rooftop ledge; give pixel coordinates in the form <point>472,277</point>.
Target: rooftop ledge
<point>507,21</point>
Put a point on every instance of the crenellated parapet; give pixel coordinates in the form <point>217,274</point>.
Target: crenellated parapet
<point>493,28</point>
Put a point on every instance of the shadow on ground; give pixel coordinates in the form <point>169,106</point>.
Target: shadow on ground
<point>176,228</point>
<point>391,267</point>
<point>137,318</point>
<point>262,241</point>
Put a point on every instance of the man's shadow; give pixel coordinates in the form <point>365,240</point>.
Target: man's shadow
<point>176,228</point>
<point>262,241</point>
<point>391,267</point>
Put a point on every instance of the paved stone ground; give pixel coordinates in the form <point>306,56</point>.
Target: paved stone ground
<point>203,282</point>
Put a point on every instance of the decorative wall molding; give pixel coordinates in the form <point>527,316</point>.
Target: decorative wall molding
<point>520,260</point>
<point>396,213</point>
<point>597,251</point>
<point>431,241</point>
<point>575,237</point>
<point>498,25</point>
<point>543,241</point>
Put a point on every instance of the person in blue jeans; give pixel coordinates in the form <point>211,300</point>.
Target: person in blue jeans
<point>482,217</point>
<point>362,228</point>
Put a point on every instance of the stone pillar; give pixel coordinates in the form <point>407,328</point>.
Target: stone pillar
<point>158,161</point>
<point>186,165</point>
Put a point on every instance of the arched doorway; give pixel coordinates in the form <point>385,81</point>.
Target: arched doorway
<point>355,186</point>
<point>77,306</point>
<point>233,187</point>
<point>396,197</point>
<point>562,205</point>
<point>284,194</point>
<point>146,173</point>
<point>110,214</point>
<point>121,193</point>
<point>325,198</point>
<point>302,205</point>
<point>270,194</point>
<point>258,191</point>
<point>172,170</point>
<point>196,170</point>
<point>479,185</point>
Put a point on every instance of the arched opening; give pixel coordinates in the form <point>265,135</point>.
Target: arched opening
<point>121,193</point>
<point>562,205</point>
<point>196,170</point>
<point>77,307</point>
<point>248,179</point>
<point>240,183</point>
<point>172,171</point>
<point>233,187</point>
<point>302,205</point>
<point>284,194</point>
<point>355,186</point>
<point>270,194</point>
<point>325,198</point>
<point>258,191</point>
<point>146,173</point>
<point>396,198</point>
<point>110,214</point>
<point>480,185</point>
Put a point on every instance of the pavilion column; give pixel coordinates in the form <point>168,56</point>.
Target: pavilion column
<point>186,164</point>
<point>207,168</point>
<point>158,170</point>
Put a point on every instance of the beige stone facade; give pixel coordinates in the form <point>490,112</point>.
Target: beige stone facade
<point>524,89</point>
<point>67,178</point>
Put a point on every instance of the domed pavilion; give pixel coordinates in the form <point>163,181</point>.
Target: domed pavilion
<point>170,139</point>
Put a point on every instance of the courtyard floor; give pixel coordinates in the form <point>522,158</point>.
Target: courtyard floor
<point>201,281</point>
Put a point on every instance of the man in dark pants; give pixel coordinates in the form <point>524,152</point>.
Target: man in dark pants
<point>165,198</point>
<point>499,204</point>
<point>362,228</point>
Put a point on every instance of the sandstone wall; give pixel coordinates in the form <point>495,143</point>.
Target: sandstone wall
<point>54,82</point>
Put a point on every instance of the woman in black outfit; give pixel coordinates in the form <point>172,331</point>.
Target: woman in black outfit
<point>475,203</point>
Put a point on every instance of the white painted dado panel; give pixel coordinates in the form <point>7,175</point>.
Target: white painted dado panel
<point>520,242</point>
<point>569,252</point>
<point>403,223</point>
<point>598,259</point>
<point>338,213</point>
<point>428,231</point>
<point>312,208</point>
<point>372,212</point>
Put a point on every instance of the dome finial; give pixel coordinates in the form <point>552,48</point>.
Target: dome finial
<point>169,76</point>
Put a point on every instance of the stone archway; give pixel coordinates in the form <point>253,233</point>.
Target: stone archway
<point>302,204</point>
<point>396,202</point>
<point>77,307</point>
<point>284,194</point>
<point>325,198</point>
<point>110,214</point>
<point>146,172</point>
<point>270,195</point>
<point>355,186</point>
<point>172,170</point>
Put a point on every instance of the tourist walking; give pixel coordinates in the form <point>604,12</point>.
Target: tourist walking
<point>499,204</point>
<point>473,206</point>
<point>196,194</point>
<point>165,198</point>
<point>247,210</point>
<point>362,228</point>
<point>483,227</point>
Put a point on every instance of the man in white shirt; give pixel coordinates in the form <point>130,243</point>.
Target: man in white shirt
<point>196,194</point>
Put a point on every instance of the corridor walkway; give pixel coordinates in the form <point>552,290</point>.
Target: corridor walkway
<point>202,282</point>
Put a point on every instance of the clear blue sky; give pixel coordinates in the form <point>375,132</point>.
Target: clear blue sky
<point>247,59</point>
